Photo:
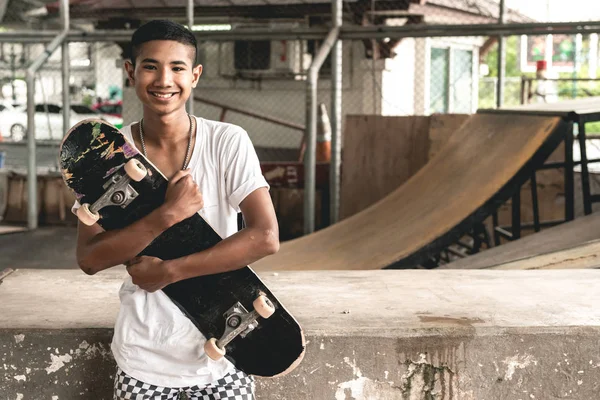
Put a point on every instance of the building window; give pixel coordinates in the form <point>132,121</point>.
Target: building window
<point>461,88</point>
<point>439,80</point>
<point>451,80</point>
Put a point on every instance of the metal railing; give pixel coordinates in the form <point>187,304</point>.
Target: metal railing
<point>527,92</point>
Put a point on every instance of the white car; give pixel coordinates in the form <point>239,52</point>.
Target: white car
<point>48,120</point>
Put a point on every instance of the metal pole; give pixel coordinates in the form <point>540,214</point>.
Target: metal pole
<point>190,22</point>
<point>501,58</point>
<point>66,71</point>
<point>336,118</point>
<point>32,211</point>
<point>13,70</point>
<point>310,158</point>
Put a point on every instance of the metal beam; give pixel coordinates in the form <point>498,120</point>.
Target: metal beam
<point>501,59</point>
<point>263,11</point>
<point>3,5</point>
<point>190,24</point>
<point>66,73</point>
<point>32,210</point>
<point>310,157</point>
<point>380,32</point>
<point>336,121</point>
<point>346,33</point>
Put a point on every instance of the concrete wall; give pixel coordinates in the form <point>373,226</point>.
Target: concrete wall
<point>440,335</point>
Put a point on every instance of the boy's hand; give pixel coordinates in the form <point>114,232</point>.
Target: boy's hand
<point>149,273</point>
<point>183,198</point>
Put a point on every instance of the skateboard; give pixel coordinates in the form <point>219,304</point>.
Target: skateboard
<point>237,313</point>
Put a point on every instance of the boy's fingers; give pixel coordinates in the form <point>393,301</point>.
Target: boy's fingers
<point>133,261</point>
<point>179,175</point>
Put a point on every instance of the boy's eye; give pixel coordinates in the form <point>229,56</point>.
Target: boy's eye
<point>149,66</point>
<point>178,69</point>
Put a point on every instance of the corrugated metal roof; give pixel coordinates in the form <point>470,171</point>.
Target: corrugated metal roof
<point>486,8</point>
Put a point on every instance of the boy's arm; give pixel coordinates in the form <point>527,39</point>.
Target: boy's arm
<point>258,239</point>
<point>98,250</point>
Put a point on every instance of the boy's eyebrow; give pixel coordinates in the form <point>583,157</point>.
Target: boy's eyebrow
<point>153,61</point>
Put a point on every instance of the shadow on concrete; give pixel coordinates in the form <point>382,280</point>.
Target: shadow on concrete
<point>45,247</point>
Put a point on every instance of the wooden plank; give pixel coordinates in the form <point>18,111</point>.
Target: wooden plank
<point>584,256</point>
<point>57,201</point>
<point>5,229</point>
<point>582,106</point>
<point>54,200</point>
<point>380,154</point>
<point>16,206</point>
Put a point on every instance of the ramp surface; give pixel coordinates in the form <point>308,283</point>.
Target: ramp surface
<point>483,163</point>
<point>565,237</point>
<point>584,256</point>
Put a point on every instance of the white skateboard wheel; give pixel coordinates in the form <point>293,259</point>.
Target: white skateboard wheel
<point>212,349</point>
<point>86,216</point>
<point>135,170</point>
<point>263,306</point>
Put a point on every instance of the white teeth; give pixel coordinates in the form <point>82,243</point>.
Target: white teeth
<point>163,96</point>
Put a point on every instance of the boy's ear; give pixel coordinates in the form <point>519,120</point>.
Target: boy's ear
<point>197,71</point>
<point>130,69</point>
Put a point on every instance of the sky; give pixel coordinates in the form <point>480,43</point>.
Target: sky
<point>558,10</point>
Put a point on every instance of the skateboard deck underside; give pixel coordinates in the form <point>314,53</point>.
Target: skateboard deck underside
<point>90,153</point>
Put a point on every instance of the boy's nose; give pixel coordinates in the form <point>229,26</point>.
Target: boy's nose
<point>164,78</point>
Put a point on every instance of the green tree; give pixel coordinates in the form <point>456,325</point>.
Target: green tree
<point>512,58</point>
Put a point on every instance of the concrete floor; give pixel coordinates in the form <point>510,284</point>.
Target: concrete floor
<point>46,247</point>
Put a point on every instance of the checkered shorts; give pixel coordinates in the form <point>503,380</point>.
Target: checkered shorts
<point>234,386</point>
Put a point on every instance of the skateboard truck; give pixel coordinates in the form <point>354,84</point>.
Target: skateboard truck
<point>239,322</point>
<point>118,192</point>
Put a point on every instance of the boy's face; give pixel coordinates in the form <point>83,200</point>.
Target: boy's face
<point>164,75</point>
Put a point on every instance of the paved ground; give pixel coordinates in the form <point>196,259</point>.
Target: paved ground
<point>46,247</point>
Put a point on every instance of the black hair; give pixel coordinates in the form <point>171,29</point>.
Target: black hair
<point>161,30</point>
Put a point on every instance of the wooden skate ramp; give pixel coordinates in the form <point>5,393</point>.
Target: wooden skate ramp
<point>482,164</point>
<point>567,236</point>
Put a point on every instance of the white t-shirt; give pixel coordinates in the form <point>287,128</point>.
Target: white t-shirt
<point>153,340</point>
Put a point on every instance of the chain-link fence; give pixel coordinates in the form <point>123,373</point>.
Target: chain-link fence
<point>261,84</point>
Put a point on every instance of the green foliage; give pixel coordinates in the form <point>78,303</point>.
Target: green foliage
<point>592,129</point>
<point>512,58</point>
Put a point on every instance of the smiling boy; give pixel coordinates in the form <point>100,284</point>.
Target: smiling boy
<point>212,169</point>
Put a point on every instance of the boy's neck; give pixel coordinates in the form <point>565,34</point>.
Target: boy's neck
<point>164,129</point>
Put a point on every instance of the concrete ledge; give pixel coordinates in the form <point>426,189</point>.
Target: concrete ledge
<point>372,334</point>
